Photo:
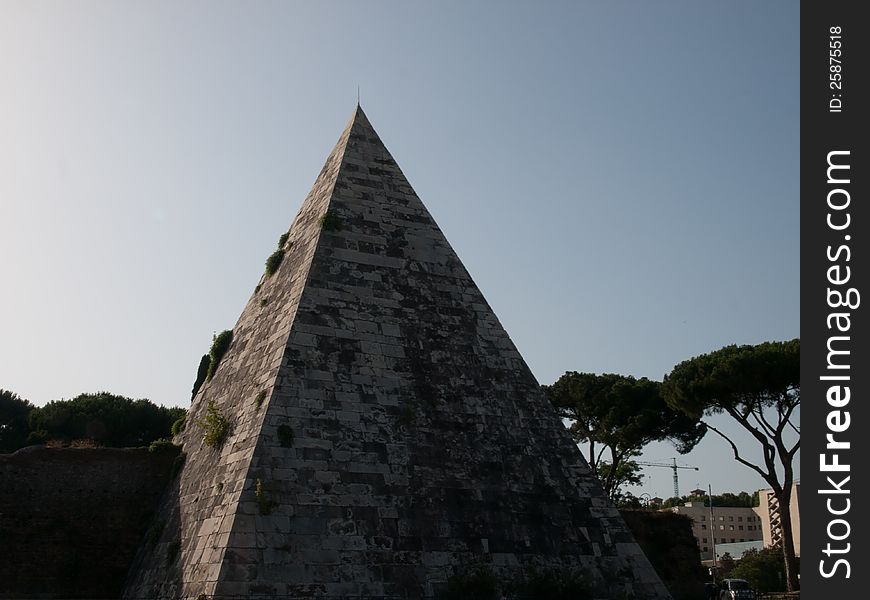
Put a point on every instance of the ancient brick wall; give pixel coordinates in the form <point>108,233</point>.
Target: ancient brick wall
<point>666,539</point>
<point>72,518</point>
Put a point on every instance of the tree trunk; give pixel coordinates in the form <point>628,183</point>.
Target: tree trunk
<point>790,562</point>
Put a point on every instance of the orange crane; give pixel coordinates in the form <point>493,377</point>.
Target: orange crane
<point>673,466</point>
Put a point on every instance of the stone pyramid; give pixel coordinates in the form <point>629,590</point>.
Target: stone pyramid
<point>385,434</point>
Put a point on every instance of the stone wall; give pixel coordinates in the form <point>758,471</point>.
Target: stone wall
<point>666,539</point>
<point>72,518</point>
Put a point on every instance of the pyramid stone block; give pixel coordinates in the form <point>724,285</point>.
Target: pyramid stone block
<point>385,434</point>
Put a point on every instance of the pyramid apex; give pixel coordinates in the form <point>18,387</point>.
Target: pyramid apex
<point>359,115</point>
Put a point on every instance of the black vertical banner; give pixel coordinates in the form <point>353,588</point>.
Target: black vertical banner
<point>835,369</point>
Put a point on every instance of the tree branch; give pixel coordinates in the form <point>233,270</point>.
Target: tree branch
<point>768,449</point>
<point>766,476</point>
<point>786,417</point>
<point>769,429</point>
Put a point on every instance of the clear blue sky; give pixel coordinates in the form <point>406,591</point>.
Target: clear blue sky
<point>620,178</point>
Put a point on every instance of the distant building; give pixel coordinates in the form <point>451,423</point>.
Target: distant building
<point>698,493</point>
<point>727,525</point>
<point>771,522</point>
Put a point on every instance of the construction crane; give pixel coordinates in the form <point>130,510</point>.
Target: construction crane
<point>673,466</point>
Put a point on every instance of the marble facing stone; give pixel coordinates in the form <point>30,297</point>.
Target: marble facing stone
<point>422,445</point>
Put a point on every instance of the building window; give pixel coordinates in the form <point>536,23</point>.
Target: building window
<point>740,527</point>
<point>742,540</point>
<point>705,548</point>
<point>703,526</point>
<point>703,518</point>
<point>732,540</point>
<point>721,518</point>
<point>731,527</point>
<point>739,518</point>
<point>704,540</point>
<point>721,527</point>
<point>722,540</point>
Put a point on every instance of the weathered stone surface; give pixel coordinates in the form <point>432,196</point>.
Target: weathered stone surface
<point>422,445</point>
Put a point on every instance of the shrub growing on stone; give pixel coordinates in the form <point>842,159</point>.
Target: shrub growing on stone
<point>215,425</point>
<point>283,240</point>
<point>178,426</point>
<point>274,261</point>
<point>330,222</point>
<point>260,398</point>
<point>263,503</point>
<point>219,346</point>
<point>201,374</point>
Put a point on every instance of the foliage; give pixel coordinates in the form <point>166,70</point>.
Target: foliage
<point>263,503</point>
<point>619,414</point>
<point>219,346</point>
<point>283,239</point>
<point>178,425</point>
<point>260,398</point>
<point>274,261</point>
<point>759,388</point>
<point>14,428</point>
<point>264,301</point>
<point>629,501</point>
<point>330,222</point>
<point>763,569</point>
<point>285,435</point>
<point>38,436</point>
<point>742,499</point>
<point>163,446</point>
<point>725,565</point>
<point>215,425</point>
<point>627,473</point>
<point>201,374</point>
<point>109,420</point>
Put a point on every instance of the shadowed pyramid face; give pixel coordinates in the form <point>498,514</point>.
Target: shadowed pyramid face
<point>385,434</point>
